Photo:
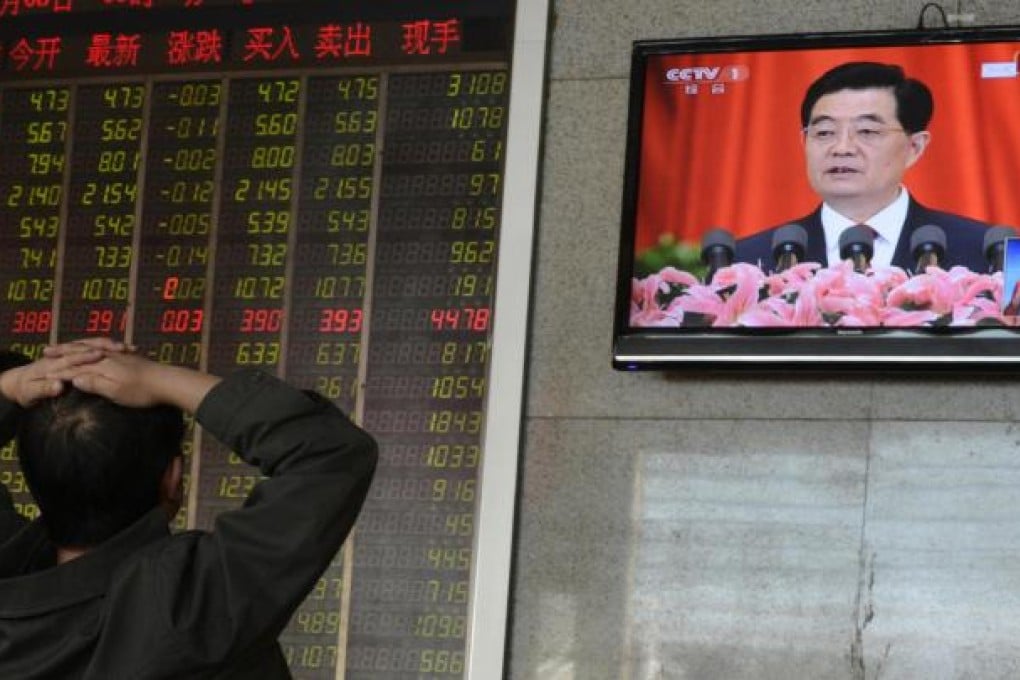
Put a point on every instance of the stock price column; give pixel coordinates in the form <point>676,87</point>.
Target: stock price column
<point>105,158</point>
<point>426,373</point>
<point>176,230</point>
<point>176,226</point>
<point>33,136</point>
<point>252,232</point>
<point>326,304</point>
<point>328,286</point>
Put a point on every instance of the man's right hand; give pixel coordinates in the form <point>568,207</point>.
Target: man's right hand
<point>132,380</point>
<point>106,345</point>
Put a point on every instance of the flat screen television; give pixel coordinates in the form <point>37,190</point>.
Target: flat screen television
<point>836,199</point>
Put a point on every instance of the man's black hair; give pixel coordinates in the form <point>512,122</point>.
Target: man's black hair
<point>9,360</point>
<point>914,102</point>
<point>93,466</point>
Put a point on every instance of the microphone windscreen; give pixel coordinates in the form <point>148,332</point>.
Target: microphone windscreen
<point>857,238</point>
<point>790,238</point>
<point>716,238</point>
<point>996,235</point>
<point>928,238</point>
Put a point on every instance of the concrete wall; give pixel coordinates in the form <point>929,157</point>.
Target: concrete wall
<point>678,526</point>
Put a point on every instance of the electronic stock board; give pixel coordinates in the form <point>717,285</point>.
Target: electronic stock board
<point>324,190</point>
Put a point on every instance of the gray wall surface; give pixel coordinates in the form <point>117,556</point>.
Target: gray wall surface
<point>693,526</point>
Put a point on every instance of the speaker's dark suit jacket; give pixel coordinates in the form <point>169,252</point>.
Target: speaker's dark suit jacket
<point>964,240</point>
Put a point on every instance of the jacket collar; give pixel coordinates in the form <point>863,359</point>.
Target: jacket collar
<point>24,592</point>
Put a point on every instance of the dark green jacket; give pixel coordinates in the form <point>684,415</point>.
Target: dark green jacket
<point>151,604</point>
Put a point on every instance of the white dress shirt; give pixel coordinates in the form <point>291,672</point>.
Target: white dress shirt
<point>887,223</point>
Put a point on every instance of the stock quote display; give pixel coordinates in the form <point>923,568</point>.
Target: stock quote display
<point>313,193</point>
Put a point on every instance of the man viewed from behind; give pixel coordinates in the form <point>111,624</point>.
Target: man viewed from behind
<point>98,587</point>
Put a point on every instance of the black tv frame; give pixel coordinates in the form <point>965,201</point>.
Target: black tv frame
<point>984,349</point>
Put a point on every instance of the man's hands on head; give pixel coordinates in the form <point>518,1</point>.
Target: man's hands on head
<point>42,378</point>
<point>132,380</point>
<point>110,369</point>
<point>76,346</point>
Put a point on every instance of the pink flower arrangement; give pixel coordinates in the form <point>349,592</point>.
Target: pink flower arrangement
<point>810,295</point>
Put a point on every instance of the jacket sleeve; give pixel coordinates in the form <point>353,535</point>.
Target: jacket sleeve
<point>236,586</point>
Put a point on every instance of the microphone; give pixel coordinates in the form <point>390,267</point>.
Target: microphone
<point>994,246</point>
<point>857,244</point>
<point>717,251</point>
<point>928,246</point>
<point>789,243</point>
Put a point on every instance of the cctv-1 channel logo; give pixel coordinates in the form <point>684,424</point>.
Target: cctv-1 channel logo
<point>712,79</point>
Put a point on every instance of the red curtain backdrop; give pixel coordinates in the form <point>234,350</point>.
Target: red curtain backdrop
<point>734,159</point>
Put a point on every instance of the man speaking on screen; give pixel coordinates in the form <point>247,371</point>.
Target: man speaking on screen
<point>864,124</point>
